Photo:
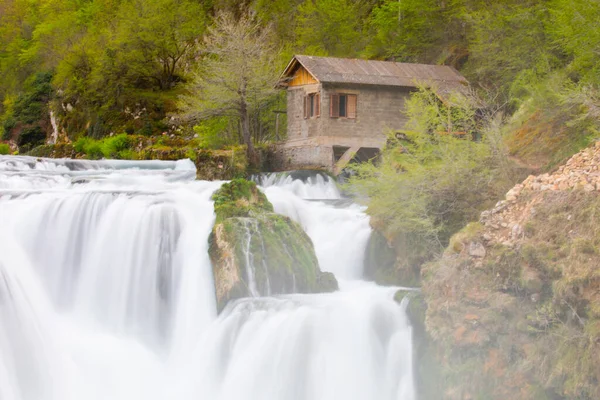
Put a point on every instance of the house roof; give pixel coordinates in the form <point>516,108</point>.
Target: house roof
<point>383,73</point>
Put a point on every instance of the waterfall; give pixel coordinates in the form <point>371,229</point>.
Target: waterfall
<point>106,292</point>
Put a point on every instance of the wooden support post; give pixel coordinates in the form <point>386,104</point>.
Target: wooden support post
<point>345,159</point>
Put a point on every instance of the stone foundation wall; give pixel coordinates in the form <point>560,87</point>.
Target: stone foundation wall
<point>302,157</point>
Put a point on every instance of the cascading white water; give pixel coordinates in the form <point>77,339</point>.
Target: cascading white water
<point>106,292</point>
<point>339,229</point>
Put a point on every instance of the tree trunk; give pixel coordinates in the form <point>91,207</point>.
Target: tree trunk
<point>246,136</point>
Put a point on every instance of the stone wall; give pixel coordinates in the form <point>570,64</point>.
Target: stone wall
<point>297,126</point>
<point>302,157</point>
<point>378,110</point>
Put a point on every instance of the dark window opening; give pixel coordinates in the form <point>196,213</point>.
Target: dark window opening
<point>343,103</point>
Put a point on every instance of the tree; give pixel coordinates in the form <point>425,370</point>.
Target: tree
<point>156,38</point>
<point>237,75</point>
<point>331,27</point>
<point>405,30</point>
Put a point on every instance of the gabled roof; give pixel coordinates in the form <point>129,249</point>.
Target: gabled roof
<point>370,72</point>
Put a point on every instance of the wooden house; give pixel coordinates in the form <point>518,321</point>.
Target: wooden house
<point>339,109</point>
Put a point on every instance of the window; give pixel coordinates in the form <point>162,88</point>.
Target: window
<point>312,105</point>
<point>342,106</point>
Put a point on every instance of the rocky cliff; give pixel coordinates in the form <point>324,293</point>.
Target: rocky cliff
<point>513,306</point>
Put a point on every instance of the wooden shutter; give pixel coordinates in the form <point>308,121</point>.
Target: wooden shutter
<point>306,107</point>
<point>334,105</point>
<point>351,106</point>
<point>318,104</point>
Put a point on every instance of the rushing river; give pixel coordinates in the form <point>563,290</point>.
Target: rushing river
<point>106,293</point>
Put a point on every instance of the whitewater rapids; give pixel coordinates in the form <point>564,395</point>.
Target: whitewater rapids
<point>106,293</point>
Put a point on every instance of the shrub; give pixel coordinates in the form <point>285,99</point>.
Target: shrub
<point>556,119</point>
<point>90,147</point>
<point>31,137</point>
<point>112,146</point>
<point>4,149</point>
<point>213,133</point>
<point>429,184</point>
<point>80,144</point>
<point>7,125</point>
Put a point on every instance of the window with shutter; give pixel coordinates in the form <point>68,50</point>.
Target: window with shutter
<point>334,105</point>
<point>318,104</point>
<point>312,105</point>
<point>351,106</point>
<point>343,106</point>
<point>305,110</point>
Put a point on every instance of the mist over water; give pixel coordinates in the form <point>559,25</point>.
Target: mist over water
<point>106,292</point>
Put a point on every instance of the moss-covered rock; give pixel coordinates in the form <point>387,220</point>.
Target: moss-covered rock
<point>257,252</point>
<point>61,150</point>
<point>386,264</point>
<point>425,365</point>
<point>240,198</point>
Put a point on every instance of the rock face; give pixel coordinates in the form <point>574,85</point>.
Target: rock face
<point>257,252</point>
<point>386,264</point>
<point>514,304</point>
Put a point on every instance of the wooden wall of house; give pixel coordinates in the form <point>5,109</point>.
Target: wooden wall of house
<point>302,77</point>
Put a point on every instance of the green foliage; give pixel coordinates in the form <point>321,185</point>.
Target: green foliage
<point>556,119</point>
<point>240,198</point>
<point>452,114</point>
<point>92,148</point>
<point>237,76</point>
<point>8,124</point>
<point>4,149</point>
<point>404,30</point>
<point>113,147</point>
<point>118,146</point>
<point>28,111</point>
<point>331,27</point>
<point>30,106</point>
<point>31,137</point>
<point>215,133</point>
<point>508,45</point>
<point>123,65</point>
<point>574,30</point>
<point>428,183</point>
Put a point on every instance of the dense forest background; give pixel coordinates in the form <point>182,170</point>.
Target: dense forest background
<point>108,67</point>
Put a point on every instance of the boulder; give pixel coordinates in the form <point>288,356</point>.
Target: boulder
<point>255,252</point>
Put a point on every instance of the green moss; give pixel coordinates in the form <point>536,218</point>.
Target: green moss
<point>380,261</point>
<point>281,255</point>
<point>62,150</point>
<point>240,198</point>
